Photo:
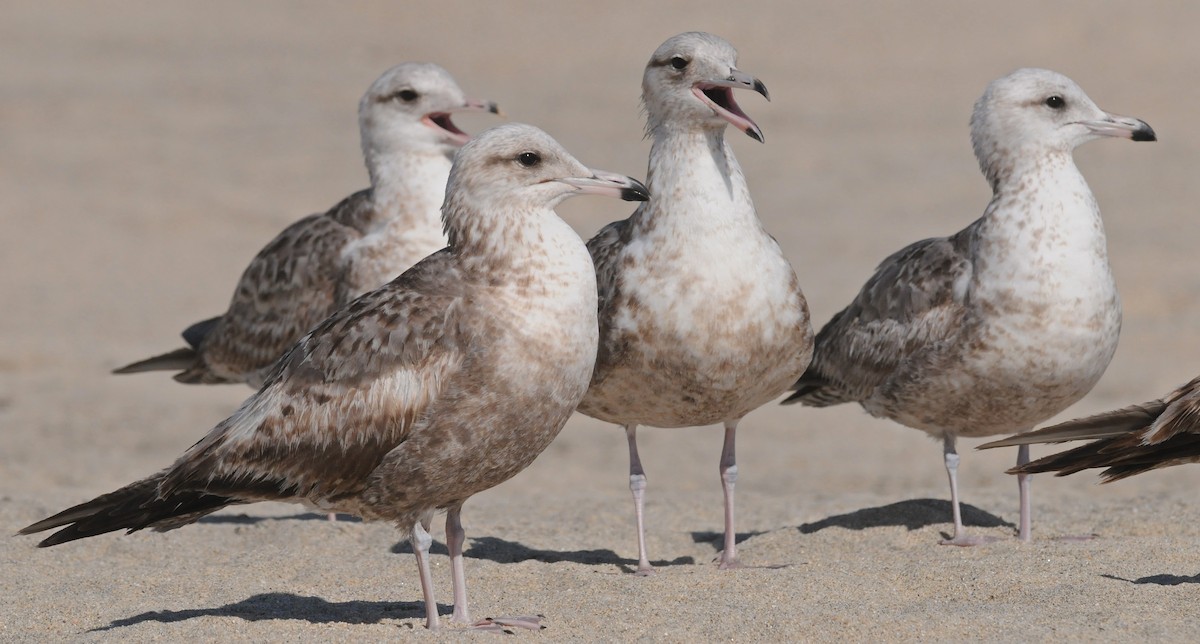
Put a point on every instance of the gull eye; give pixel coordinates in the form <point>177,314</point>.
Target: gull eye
<point>407,95</point>
<point>1056,102</point>
<point>528,159</point>
<point>679,62</point>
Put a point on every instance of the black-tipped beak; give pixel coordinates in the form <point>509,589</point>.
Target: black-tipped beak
<point>480,106</point>
<point>1122,127</point>
<point>1144,133</point>
<point>610,184</point>
<point>440,121</point>
<point>718,94</point>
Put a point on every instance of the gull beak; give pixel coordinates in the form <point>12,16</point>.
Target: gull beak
<point>1122,127</point>
<point>718,94</point>
<point>609,184</point>
<point>440,121</point>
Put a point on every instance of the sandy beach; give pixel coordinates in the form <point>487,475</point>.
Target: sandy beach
<point>148,150</point>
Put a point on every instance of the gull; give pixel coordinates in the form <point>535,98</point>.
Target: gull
<point>321,262</point>
<point>701,317</point>
<point>1128,441</point>
<point>443,383</point>
<point>1005,323</point>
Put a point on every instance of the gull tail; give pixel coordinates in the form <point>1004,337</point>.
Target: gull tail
<point>131,508</point>
<point>180,359</point>
<point>1119,443</point>
<point>177,360</point>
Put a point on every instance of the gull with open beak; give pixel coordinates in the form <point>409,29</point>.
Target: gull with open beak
<point>321,262</point>
<point>701,317</point>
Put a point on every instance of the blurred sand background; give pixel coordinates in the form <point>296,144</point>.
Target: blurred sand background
<point>149,149</point>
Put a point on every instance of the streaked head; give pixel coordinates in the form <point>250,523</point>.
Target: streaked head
<point>409,107</point>
<point>1032,110</point>
<point>690,81</point>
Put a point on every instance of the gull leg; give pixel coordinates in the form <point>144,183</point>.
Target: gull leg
<point>960,532</point>
<point>421,541</point>
<point>729,471</point>
<point>332,516</point>
<point>455,536</point>
<point>1025,529</point>
<point>637,485</point>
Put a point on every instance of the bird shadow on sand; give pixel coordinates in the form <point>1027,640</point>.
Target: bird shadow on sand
<point>287,606</point>
<point>912,514</point>
<point>717,539</point>
<point>502,551</point>
<point>246,519</point>
<point>1159,580</point>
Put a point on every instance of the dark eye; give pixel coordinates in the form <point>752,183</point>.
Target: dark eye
<point>407,95</point>
<point>528,159</point>
<point>1056,102</point>
<point>679,62</point>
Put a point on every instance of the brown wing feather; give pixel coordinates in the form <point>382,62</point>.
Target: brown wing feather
<point>605,248</point>
<point>912,301</point>
<point>292,284</point>
<point>349,392</point>
<point>340,400</point>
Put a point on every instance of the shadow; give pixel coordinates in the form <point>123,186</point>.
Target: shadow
<point>246,519</point>
<point>717,539</point>
<point>288,606</point>
<point>501,551</point>
<point>1159,580</point>
<point>912,514</point>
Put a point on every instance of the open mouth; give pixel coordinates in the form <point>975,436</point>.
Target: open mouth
<point>440,122</point>
<point>720,99</point>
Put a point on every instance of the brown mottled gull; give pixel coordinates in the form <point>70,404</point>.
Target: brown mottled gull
<point>1010,320</point>
<point>701,318</point>
<point>441,384</point>
<point>318,264</point>
<point>1128,441</point>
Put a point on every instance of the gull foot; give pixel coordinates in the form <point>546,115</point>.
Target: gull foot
<point>965,541</point>
<point>503,624</point>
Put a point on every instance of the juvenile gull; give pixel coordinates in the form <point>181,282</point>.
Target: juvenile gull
<point>701,317</point>
<point>1010,320</point>
<point>441,384</point>
<point>318,264</point>
<point>1127,441</point>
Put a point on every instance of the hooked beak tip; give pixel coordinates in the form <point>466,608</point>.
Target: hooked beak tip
<point>1144,133</point>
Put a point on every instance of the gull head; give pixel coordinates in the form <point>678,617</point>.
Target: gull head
<point>1038,111</point>
<point>689,81</point>
<point>409,108</point>
<point>517,168</point>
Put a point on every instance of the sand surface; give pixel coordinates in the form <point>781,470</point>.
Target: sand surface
<point>147,150</point>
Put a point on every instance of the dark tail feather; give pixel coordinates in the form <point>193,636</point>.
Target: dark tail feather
<point>1124,456</point>
<point>1101,426</point>
<point>176,360</point>
<point>196,333</point>
<point>131,508</point>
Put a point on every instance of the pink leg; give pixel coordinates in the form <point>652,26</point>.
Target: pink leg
<point>455,536</point>
<point>637,485</point>
<point>960,532</point>
<point>421,541</point>
<point>332,516</point>
<point>729,471</point>
<point>1025,529</point>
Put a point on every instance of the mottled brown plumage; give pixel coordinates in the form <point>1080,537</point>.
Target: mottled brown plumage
<point>702,319</point>
<point>321,262</point>
<point>443,383</point>
<point>1128,441</point>
<point>1010,320</point>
